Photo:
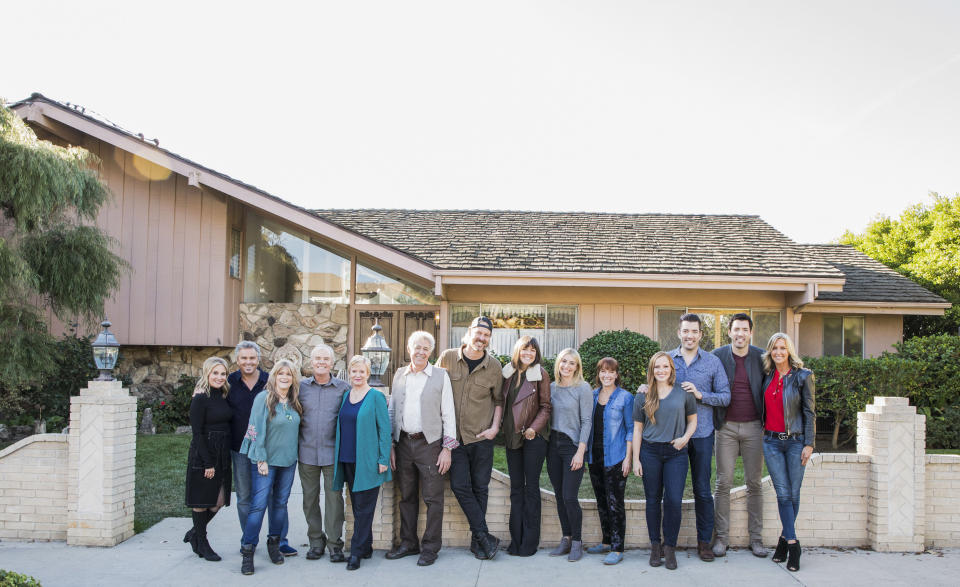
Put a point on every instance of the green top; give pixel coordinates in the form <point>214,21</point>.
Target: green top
<point>274,440</point>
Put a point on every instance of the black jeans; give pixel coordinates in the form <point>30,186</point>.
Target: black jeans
<point>524,465</point>
<point>364,505</point>
<point>470,469</point>
<point>609,485</point>
<point>566,483</point>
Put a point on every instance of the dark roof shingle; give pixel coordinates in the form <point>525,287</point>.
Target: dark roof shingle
<point>684,244</point>
<point>869,280</point>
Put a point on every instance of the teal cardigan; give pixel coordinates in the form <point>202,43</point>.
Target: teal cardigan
<point>373,444</point>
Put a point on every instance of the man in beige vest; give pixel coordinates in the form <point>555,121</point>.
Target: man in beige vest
<point>424,433</point>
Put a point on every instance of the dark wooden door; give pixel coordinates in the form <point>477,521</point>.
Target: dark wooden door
<point>397,326</point>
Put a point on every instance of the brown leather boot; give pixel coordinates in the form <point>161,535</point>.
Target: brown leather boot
<point>670,557</point>
<point>705,552</point>
<point>656,554</point>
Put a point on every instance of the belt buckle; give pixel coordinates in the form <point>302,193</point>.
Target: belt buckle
<point>783,436</point>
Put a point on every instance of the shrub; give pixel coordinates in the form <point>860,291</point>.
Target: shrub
<point>631,349</point>
<point>169,413</point>
<point>12,579</point>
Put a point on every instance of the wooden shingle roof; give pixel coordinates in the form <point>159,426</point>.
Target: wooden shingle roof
<point>684,244</point>
<point>869,280</point>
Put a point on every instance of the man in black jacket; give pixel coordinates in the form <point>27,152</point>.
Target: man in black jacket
<point>740,433</point>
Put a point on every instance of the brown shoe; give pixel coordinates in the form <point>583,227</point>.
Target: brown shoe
<point>670,557</point>
<point>656,554</point>
<point>705,552</point>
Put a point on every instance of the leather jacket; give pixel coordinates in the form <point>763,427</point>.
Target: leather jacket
<point>799,413</point>
<point>531,408</point>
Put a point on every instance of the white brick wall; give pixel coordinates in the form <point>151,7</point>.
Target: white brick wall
<point>33,489</point>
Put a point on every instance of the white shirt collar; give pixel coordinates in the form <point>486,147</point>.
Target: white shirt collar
<point>428,371</point>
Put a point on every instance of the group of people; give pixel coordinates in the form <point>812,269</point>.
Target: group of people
<point>441,420</point>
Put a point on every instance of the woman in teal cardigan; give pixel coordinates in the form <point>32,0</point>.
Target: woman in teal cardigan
<point>362,454</point>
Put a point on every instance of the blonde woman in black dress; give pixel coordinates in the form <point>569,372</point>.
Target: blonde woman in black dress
<point>208,464</point>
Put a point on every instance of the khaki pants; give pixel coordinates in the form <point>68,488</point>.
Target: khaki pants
<point>317,531</point>
<point>743,439</point>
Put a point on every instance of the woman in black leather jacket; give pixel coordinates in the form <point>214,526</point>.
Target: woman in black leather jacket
<point>789,422</point>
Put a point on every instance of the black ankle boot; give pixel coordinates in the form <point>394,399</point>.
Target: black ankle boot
<point>273,550</point>
<point>793,556</point>
<point>780,554</point>
<point>246,567</point>
<point>489,546</point>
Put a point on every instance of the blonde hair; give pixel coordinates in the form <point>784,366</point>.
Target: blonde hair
<point>359,359</point>
<point>578,372</point>
<point>203,383</point>
<point>652,403</point>
<point>792,357</point>
<point>293,395</point>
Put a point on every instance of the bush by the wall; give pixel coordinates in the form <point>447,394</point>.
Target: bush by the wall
<point>631,349</point>
<point>173,411</point>
<point>12,579</point>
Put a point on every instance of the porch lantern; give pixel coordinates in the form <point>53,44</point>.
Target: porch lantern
<point>105,351</point>
<point>377,351</point>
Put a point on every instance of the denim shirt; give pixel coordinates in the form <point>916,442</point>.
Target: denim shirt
<point>617,427</point>
<point>707,374</point>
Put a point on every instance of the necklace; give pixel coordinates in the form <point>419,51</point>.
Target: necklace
<point>779,387</point>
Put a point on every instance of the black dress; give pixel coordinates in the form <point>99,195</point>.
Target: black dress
<point>210,447</point>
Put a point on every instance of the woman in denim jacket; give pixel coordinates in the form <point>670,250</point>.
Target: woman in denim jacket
<point>789,422</point>
<point>609,445</point>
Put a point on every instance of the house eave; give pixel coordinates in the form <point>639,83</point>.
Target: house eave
<point>864,307</point>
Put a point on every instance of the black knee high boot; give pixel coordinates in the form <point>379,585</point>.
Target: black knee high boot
<point>203,550</point>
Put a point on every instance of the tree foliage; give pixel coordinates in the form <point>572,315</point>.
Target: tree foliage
<point>924,245</point>
<point>50,254</point>
<point>631,350</point>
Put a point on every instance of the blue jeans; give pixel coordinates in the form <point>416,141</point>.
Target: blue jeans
<point>664,475</point>
<point>241,484</point>
<point>700,451</point>
<point>270,491</point>
<point>786,472</point>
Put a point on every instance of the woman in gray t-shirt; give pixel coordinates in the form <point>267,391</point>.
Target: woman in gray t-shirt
<point>664,419</point>
<point>572,418</point>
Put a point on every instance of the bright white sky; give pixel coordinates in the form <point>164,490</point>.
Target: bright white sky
<point>815,115</point>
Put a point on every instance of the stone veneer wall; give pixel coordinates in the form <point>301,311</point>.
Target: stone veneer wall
<point>281,330</point>
<point>292,330</point>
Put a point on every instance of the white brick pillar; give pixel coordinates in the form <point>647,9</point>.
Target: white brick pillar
<point>102,460</point>
<point>892,434</point>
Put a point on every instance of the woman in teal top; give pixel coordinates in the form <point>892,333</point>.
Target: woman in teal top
<point>362,454</point>
<point>271,444</point>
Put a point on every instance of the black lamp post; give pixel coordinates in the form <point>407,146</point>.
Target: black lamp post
<point>105,351</point>
<point>378,352</point>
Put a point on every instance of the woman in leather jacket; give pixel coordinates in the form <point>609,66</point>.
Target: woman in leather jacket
<point>526,429</point>
<point>789,422</point>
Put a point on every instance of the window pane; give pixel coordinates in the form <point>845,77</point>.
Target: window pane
<point>374,287</point>
<point>561,330</point>
<point>511,321</point>
<point>460,317</point>
<point>853,336</point>
<point>708,324</point>
<point>235,252</point>
<point>765,325</point>
<point>832,335</point>
<point>667,322</point>
<point>284,267</point>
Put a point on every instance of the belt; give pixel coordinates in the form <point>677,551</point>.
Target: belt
<point>414,436</point>
<point>781,435</point>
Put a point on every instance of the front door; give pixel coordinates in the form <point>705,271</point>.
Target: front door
<point>398,325</point>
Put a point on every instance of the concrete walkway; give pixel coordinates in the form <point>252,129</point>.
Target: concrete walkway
<point>159,557</point>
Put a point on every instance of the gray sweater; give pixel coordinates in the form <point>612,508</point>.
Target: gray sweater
<point>572,410</point>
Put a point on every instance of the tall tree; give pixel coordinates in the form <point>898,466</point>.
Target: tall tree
<point>924,245</point>
<point>51,254</point>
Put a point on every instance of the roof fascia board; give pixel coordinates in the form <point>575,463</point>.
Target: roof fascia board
<point>583,279</point>
<point>302,218</point>
<point>912,308</point>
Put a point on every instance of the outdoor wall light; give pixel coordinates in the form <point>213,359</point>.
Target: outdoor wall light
<point>105,351</point>
<point>378,352</point>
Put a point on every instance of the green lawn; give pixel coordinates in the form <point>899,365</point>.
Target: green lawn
<point>634,483</point>
<point>943,451</point>
<point>161,473</point>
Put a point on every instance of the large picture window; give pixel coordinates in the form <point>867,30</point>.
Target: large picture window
<point>843,335</point>
<point>285,266</point>
<point>715,324</point>
<point>374,287</point>
<point>555,327</point>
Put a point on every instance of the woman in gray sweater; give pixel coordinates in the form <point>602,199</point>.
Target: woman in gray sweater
<point>572,401</point>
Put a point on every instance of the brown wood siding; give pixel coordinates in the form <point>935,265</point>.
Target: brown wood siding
<point>176,239</point>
